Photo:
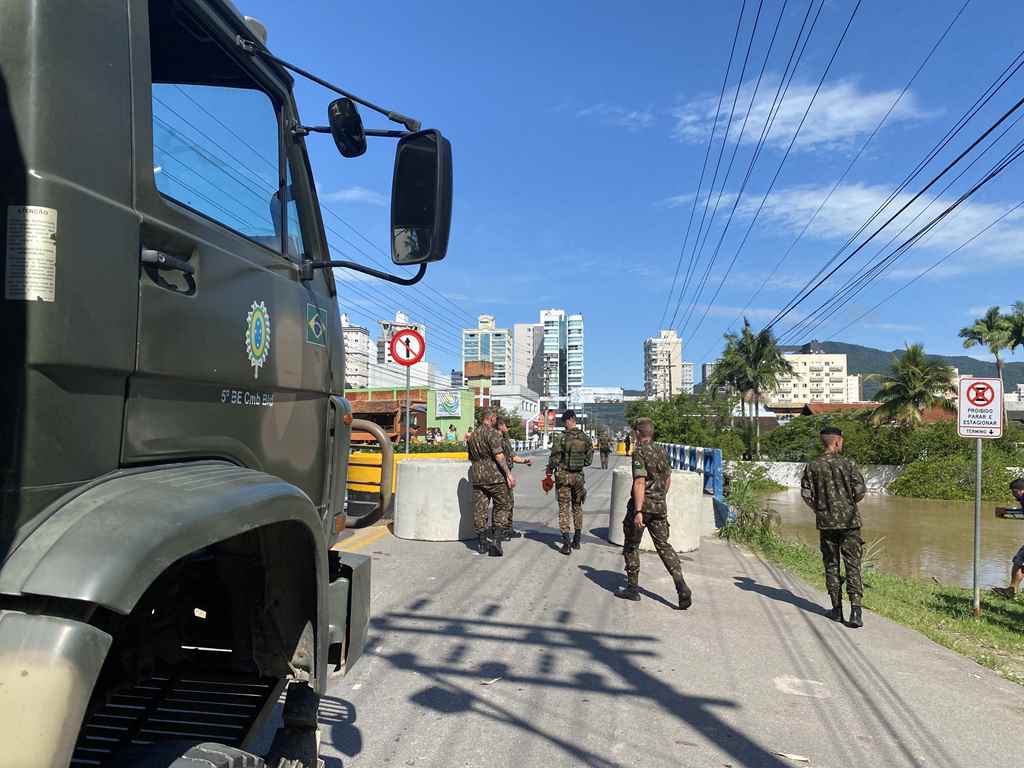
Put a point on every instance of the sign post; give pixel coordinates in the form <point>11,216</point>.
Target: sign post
<point>407,348</point>
<point>979,415</point>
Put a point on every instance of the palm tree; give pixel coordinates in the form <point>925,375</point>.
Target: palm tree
<point>754,363</point>
<point>1015,324</point>
<point>992,331</point>
<point>916,383</point>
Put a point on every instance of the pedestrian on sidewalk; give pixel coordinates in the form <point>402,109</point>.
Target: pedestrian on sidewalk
<point>648,508</point>
<point>833,486</point>
<point>510,458</point>
<point>492,484</point>
<point>1017,564</point>
<point>604,445</point>
<point>570,454</point>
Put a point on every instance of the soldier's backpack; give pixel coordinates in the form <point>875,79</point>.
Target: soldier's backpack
<point>577,451</point>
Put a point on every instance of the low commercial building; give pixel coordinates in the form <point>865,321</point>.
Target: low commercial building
<point>518,400</point>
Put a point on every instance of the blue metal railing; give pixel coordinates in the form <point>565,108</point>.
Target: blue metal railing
<point>706,461</point>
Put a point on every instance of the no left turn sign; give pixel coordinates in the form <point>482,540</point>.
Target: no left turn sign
<point>980,411</point>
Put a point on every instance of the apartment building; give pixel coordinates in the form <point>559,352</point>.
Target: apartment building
<point>663,366</point>
<point>562,351</point>
<point>489,343</point>
<point>357,354</point>
<point>528,355</point>
<point>816,378</point>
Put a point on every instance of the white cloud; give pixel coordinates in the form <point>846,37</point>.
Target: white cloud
<point>842,111</point>
<point>895,327</point>
<point>676,201</point>
<point>631,119</point>
<point>851,205</point>
<point>356,195</point>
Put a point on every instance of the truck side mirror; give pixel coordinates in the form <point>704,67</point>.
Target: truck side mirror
<point>421,198</point>
<point>346,127</point>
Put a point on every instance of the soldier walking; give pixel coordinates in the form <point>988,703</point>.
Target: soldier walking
<point>832,486</point>
<point>604,445</point>
<point>508,532</point>
<point>569,455</point>
<point>492,484</point>
<point>648,508</point>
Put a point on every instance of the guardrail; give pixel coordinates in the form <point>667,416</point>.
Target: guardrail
<point>706,461</point>
<point>370,482</point>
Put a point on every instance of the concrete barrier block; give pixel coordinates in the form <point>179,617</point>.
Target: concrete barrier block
<point>685,509</point>
<point>433,500</point>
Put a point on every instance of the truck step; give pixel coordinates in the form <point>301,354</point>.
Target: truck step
<point>172,708</point>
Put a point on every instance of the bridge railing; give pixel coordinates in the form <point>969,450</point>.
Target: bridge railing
<point>706,461</point>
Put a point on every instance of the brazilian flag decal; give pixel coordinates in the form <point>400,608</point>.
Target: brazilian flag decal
<point>316,325</point>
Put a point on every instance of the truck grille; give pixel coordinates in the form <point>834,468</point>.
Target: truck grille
<point>172,709</point>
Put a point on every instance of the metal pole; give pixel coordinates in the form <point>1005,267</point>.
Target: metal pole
<point>408,408</point>
<point>977,528</point>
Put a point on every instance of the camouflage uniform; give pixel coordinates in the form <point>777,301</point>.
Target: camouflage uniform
<point>488,481</point>
<point>651,463</point>
<point>604,444</point>
<point>831,486</point>
<point>568,458</point>
<point>510,454</point>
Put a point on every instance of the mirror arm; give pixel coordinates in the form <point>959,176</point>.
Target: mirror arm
<point>305,130</point>
<point>255,49</point>
<point>308,267</point>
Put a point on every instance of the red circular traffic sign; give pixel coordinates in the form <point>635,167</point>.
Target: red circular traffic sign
<point>981,394</point>
<point>407,347</point>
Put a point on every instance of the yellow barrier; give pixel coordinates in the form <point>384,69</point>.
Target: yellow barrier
<point>364,468</point>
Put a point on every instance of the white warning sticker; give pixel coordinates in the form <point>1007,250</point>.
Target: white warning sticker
<point>31,253</point>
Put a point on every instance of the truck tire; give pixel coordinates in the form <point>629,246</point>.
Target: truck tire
<point>187,754</point>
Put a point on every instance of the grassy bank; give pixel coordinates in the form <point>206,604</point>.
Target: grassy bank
<point>942,613</point>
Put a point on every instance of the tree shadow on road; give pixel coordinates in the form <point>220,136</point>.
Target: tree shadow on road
<point>781,595</point>
<point>612,581</point>
<point>615,667</point>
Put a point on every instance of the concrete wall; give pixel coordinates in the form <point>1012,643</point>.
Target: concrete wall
<point>788,473</point>
<point>433,500</point>
<point>686,509</point>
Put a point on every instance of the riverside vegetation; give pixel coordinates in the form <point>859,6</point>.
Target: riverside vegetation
<point>940,612</point>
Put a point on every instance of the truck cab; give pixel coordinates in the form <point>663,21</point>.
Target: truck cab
<point>173,433</point>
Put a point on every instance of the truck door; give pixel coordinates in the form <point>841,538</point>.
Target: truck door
<point>233,349</point>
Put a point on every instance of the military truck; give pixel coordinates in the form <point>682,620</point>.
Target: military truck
<point>173,435</point>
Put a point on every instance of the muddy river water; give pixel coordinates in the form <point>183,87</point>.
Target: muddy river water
<point>923,537</point>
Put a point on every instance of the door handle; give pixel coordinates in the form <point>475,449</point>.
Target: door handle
<point>162,260</point>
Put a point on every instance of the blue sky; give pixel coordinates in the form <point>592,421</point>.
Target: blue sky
<point>578,132</point>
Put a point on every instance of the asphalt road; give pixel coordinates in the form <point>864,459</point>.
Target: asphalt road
<point>528,660</point>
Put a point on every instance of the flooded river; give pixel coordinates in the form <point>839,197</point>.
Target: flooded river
<point>923,537</point>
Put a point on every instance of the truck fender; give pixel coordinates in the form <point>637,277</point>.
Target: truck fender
<point>107,545</point>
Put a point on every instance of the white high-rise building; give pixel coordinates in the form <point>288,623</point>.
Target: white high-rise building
<point>357,354</point>
<point>563,354</point>
<point>486,342</point>
<point>663,366</point>
<point>527,355</point>
<point>816,378</point>
<point>687,385</point>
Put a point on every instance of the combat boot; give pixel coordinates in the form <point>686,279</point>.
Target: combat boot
<point>511,533</point>
<point>566,544</point>
<point>576,540</point>
<point>855,618</point>
<point>496,550</point>
<point>836,614</point>
<point>630,591</point>
<point>683,591</point>
<point>482,543</point>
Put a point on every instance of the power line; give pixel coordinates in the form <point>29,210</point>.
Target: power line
<point>707,154</point>
<point>853,162</point>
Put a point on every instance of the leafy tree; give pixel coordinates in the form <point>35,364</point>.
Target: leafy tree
<point>915,384</point>
<point>753,364</point>
<point>994,331</point>
<point>691,420</point>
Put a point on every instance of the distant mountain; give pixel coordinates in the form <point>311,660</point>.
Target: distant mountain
<point>869,360</point>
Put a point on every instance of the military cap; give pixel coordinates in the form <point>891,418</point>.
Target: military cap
<point>831,431</point>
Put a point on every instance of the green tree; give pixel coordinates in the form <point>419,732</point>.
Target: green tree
<point>994,331</point>
<point>753,363</point>
<point>915,383</point>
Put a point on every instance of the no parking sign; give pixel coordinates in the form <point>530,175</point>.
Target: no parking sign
<point>980,412</point>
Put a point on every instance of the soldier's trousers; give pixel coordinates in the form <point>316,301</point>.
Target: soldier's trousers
<point>604,459</point>
<point>847,545</point>
<point>632,536</point>
<point>571,495</point>
<point>498,495</point>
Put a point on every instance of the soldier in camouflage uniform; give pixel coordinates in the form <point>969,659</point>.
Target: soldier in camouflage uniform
<point>832,486</point>
<point>492,483</point>
<point>604,445</point>
<point>648,508</point>
<point>510,459</point>
<point>570,453</point>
